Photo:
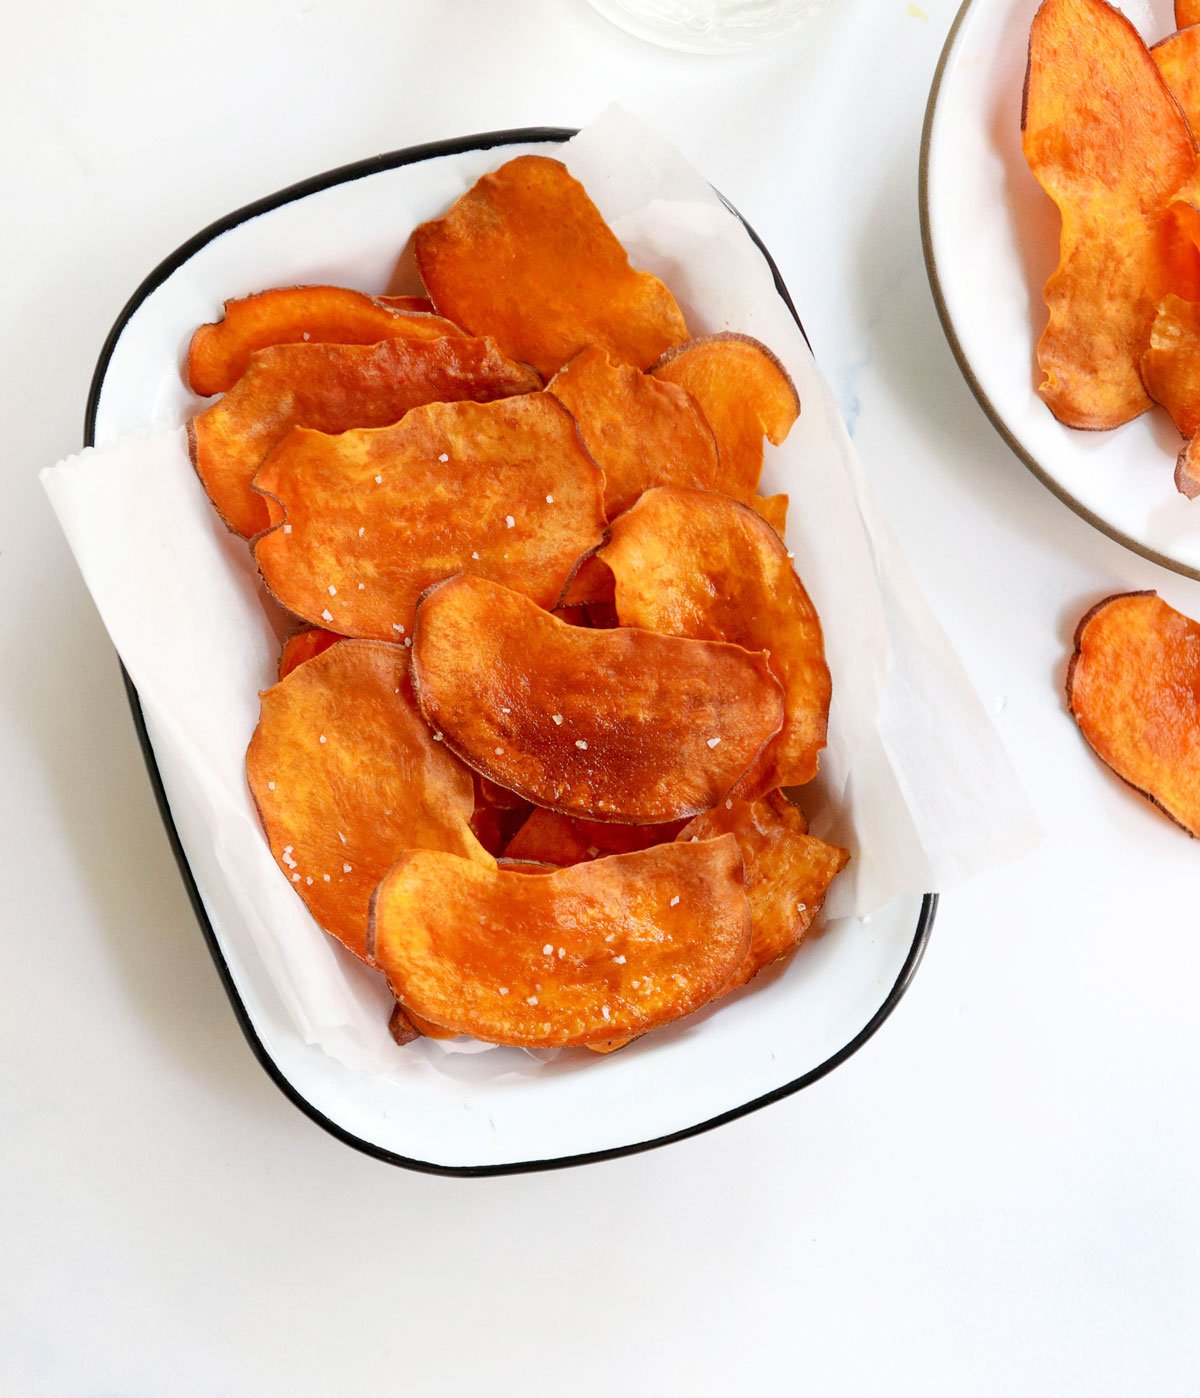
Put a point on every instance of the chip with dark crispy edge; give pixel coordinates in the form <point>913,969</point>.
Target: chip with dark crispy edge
<point>346,775</point>
<point>641,431</point>
<point>1187,470</point>
<point>583,955</point>
<point>620,725</point>
<point>331,388</point>
<point>787,871</point>
<point>694,563</point>
<point>302,645</point>
<point>366,520</point>
<point>1133,687</point>
<point>745,394</point>
<point>1109,144</point>
<point>220,352</point>
<point>525,256</point>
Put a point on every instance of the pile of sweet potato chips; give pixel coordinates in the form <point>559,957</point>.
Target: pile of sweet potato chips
<point>551,663</point>
<point>1110,130</point>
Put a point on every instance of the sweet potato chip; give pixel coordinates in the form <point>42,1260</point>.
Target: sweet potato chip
<point>787,871</point>
<point>590,581</point>
<point>1171,363</point>
<point>331,388</point>
<point>641,431</point>
<point>618,725</point>
<point>366,520</point>
<point>1110,145</point>
<point>773,509</point>
<point>525,256</point>
<point>346,775</point>
<point>406,1028</point>
<point>548,837</point>
<point>694,563</point>
<point>220,353</point>
<point>302,645</point>
<point>579,956</point>
<point>1178,60</point>
<point>744,392</point>
<point>1134,689</point>
<point>1187,470</point>
<point>1186,12</point>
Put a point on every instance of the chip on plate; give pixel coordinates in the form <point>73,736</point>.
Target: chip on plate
<point>525,256</point>
<point>694,563</point>
<point>581,955</point>
<point>641,431</point>
<point>346,775</point>
<point>1171,363</point>
<point>1108,142</point>
<point>548,837</point>
<point>620,725</point>
<point>364,521</point>
<point>1187,470</point>
<point>220,352</point>
<point>745,394</point>
<point>787,871</point>
<point>1134,689</point>
<point>331,388</point>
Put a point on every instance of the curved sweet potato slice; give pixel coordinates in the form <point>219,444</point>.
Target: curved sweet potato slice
<point>1178,60</point>
<point>346,775</point>
<point>406,1028</point>
<point>787,870</point>
<point>640,431</point>
<point>1171,363</point>
<point>774,509</point>
<point>302,645</point>
<point>693,563</point>
<point>1187,470</point>
<point>1110,145</point>
<point>366,520</point>
<point>617,725</point>
<point>548,837</point>
<point>745,394</point>
<point>331,388</point>
<point>1134,689</point>
<point>590,582</point>
<point>525,256</point>
<point>220,353</point>
<point>582,955</point>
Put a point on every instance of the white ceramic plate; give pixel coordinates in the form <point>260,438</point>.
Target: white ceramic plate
<point>991,240</point>
<point>500,1111</point>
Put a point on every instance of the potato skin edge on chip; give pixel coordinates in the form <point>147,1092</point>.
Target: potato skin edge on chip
<point>1101,742</point>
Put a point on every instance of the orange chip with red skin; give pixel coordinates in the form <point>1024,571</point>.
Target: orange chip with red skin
<point>1171,363</point>
<point>302,645</point>
<point>1108,142</point>
<point>619,725</point>
<point>346,775</point>
<point>745,394</point>
<point>1134,689</point>
<point>219,353</point>
<point>787,872</point>
<point>331,388</point>
<point>694,563</point>
<point>581,955</point>
<point>641,431</point>
<point>526,257</point>
<point>366,520</point>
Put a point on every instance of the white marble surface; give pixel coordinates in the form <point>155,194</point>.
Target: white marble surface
<point>997,1196</point>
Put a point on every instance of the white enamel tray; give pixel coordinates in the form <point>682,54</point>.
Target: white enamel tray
<point>497,1112</point>
<point>991,241</point>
